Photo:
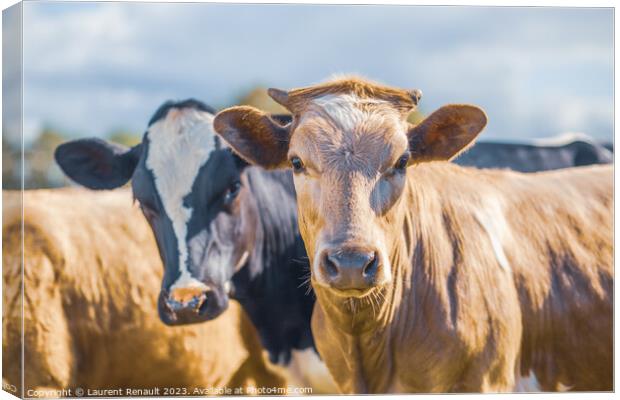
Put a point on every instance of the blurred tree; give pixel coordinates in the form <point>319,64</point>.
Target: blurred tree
<point>259,98</point>
<point>415,117</point>
<point>40,169</point>
<point>125,138</point>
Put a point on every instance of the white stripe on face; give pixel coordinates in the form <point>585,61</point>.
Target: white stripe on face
<point>179,146</point>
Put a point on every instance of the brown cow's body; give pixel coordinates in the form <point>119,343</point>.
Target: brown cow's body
<point>432,277</point>
<point>91,277</point>
<point>457,319</point>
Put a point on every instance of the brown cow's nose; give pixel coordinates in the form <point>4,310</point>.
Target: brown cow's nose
<point>350,268</point>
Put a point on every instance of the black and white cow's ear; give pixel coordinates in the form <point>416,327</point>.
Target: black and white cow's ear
<point>240,163</point>
<point>97,164</point>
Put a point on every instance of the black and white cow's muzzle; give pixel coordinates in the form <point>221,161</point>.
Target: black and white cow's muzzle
<point>199,306</point>
<point>201,292</point>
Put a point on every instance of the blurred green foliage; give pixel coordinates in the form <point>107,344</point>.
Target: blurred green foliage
<point>259,98</point>
<point>415,117</point>
<point>40,169</point>
<point>11,165</point>
<point>125,138</point>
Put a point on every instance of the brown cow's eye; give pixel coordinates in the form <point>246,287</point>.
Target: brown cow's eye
<point>402,162</point>
<point>297,164</point>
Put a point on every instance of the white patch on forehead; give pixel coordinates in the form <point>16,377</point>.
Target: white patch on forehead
<point>491,217</point>
<point>345,108</point>
<point>178,146</point>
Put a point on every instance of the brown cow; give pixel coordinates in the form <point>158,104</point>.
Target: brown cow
<point>438,278</point>
<point>91,277</point>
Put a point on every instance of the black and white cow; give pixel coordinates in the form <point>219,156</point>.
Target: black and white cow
<point>565,151</point>
<point>224,229</point>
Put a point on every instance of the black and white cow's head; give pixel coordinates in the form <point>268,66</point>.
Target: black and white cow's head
<point>191,189</point>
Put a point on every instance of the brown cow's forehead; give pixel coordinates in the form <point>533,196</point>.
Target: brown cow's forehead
<point>343,130</point>
<point>358,87</point>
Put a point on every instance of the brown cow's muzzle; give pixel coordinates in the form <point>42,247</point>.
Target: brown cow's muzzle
<point>190,305</point>
<point>350,271</point>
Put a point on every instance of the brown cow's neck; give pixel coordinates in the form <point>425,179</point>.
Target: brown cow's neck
<point>363,327</point>
<point>358,340</point>
<point>357,316</point>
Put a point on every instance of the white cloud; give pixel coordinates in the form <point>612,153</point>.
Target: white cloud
<point>95,67</point>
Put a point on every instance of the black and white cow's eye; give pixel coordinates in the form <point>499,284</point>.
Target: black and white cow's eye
<point>402,162</point>
<point>297,164</point>
<point>232,192</point>
<point>148,211</point>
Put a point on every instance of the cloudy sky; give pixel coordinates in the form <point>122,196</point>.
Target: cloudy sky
<point>90,68</point>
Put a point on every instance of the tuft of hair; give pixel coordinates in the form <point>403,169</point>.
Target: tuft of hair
<point>354,85</point>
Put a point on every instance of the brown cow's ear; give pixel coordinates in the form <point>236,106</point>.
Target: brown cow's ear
<point>254,136</point>
<point>446,132</point>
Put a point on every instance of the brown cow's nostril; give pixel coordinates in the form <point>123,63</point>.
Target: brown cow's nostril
<point>330,266</point>
<point>370,269</point>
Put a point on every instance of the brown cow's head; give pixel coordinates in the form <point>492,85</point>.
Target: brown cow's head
<point>349,145</point>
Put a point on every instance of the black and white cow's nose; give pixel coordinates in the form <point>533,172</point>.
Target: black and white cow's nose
<point>183,298</point>
<point>191,305</point>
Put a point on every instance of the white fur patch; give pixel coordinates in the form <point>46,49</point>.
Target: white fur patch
<point>491,217</point>
<point>242,260</point>
<point>179,145</point>
<point>307,370</point>
<point>228,287</point>
<point>344,108</point>
<point>527,383</point>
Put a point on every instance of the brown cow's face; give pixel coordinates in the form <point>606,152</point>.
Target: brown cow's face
<point>349,156</point>
<point>349,146</point>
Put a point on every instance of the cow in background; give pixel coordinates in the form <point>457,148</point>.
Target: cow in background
<point>91,282</point>
<point>564,151</point>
